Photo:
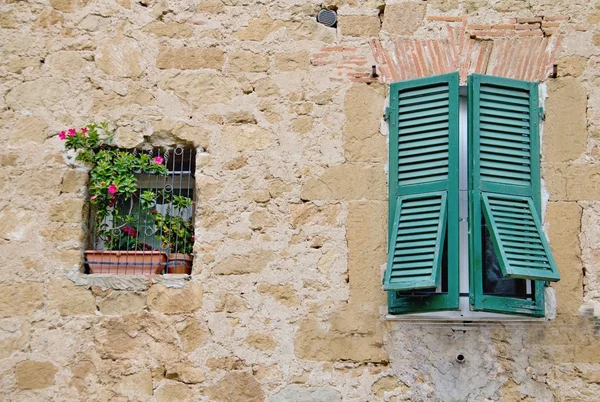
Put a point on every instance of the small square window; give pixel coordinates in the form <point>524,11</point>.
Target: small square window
<point>148,228</point>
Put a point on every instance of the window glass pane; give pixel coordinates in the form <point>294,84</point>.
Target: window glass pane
<point>493,282</point>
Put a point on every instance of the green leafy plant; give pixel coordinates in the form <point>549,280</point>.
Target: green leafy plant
<point>113,182</point>
<point>175,232</point>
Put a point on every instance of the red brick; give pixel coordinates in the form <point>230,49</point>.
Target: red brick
<point>320,55</point>
<point>512,20</point>
<point>351,63</point>
<point>530,33</point>
<point>475,26</point>
<point>332,49</point>
<point>350,48</point>
<point>546,24</point>
<point>494,33</point>
<point>550,31</point>
<point>503,26</point>
<point>557,18</point>
<point>580,27</point>
<point>444,18</point>
<point>529,20</point>
<point>321,62</point>
<point>527,26</point>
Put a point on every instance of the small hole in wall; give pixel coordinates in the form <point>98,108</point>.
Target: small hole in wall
<point>460,358</point>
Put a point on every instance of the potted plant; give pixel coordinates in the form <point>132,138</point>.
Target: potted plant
<point>176,232</point>
<point>113,186</point>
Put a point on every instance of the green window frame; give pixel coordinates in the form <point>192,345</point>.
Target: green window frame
<point>504,188</point>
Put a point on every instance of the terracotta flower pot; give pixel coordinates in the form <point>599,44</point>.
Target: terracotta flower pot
<point>180,263</point>
<point>126,262</point>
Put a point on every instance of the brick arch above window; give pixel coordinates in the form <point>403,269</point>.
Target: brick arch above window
<point>520,51</point>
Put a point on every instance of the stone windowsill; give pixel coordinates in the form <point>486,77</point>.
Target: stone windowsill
<point>127,282</point>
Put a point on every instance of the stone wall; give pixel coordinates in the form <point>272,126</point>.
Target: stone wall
<point>285,301</point>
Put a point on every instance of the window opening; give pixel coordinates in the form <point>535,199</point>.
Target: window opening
<point>152,231</point>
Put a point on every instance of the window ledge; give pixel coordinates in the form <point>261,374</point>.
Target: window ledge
<point>467,318</point>
<point>136,283</point>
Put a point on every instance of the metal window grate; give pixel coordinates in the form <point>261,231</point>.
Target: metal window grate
<point>152,231</point>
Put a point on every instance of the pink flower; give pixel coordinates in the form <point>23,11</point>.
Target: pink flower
<point>112,189</point>
<point>129,231</point>
<point>158,160</point>
<point>62,135</point>
<point>72,132</point>
<point>92,198</point>
<point>84,130</point>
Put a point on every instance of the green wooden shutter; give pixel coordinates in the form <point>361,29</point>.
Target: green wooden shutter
<point>505,174</point>
<point>423,181</point>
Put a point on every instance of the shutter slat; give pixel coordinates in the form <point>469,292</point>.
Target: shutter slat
<point>511,250</point>
<point>521,140</point>
<point>424,91</point>
<point>505,129</point>
<point>423,128</point>
<point>414,259</point>
<point>504,106</point>
<point>496,90</point>
<point>505,121</point>
<point>425,136</point>
<point>425,100</point>
<point>506,100</point>
<point>440,103</point>
<point>504,114</point>
<point>407,118</point>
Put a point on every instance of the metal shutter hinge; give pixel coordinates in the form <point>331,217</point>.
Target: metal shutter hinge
<point>542,114</point>
<point>386,115</point>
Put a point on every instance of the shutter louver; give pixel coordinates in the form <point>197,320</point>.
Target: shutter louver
<point>506,174</point>
<point>424,186</point>
<point>415,257</point>
<point>518,238</point>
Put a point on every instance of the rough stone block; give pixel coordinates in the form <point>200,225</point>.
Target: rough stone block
<point>121,57</point>
<point>170,30</point>
<point>193,335</point>
<point>122,302</point>
<point>190,58</point>
<point>247,137</point>
<point>261,341</point>
<point>239,264</point>
<point>247,61</point>
<point>564,224</point>
<point>364,110</point>
<point>404,18</point>
<point>185,373</point>
<point>34,374</point>
<point>297,393</point>
<point>366,234</point>
<point>359,25</point>
<point>572,182</point>
<point>68,6</point>
<point>69,210</point>
<point>18,299</point>
<point>259,28</point>
<point>70,299</point>
<point>137,385</point>
<point>174,300</point>
<point>41,93</point>
<point>284,294</point>
<point>349,181</point>
<point>174,392</point>
<point>201,88</point>
<point>292,61</point>
<point>235,387</point>
<point>29,129</point>
<point>73,181</point>
<point>565,127</point>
